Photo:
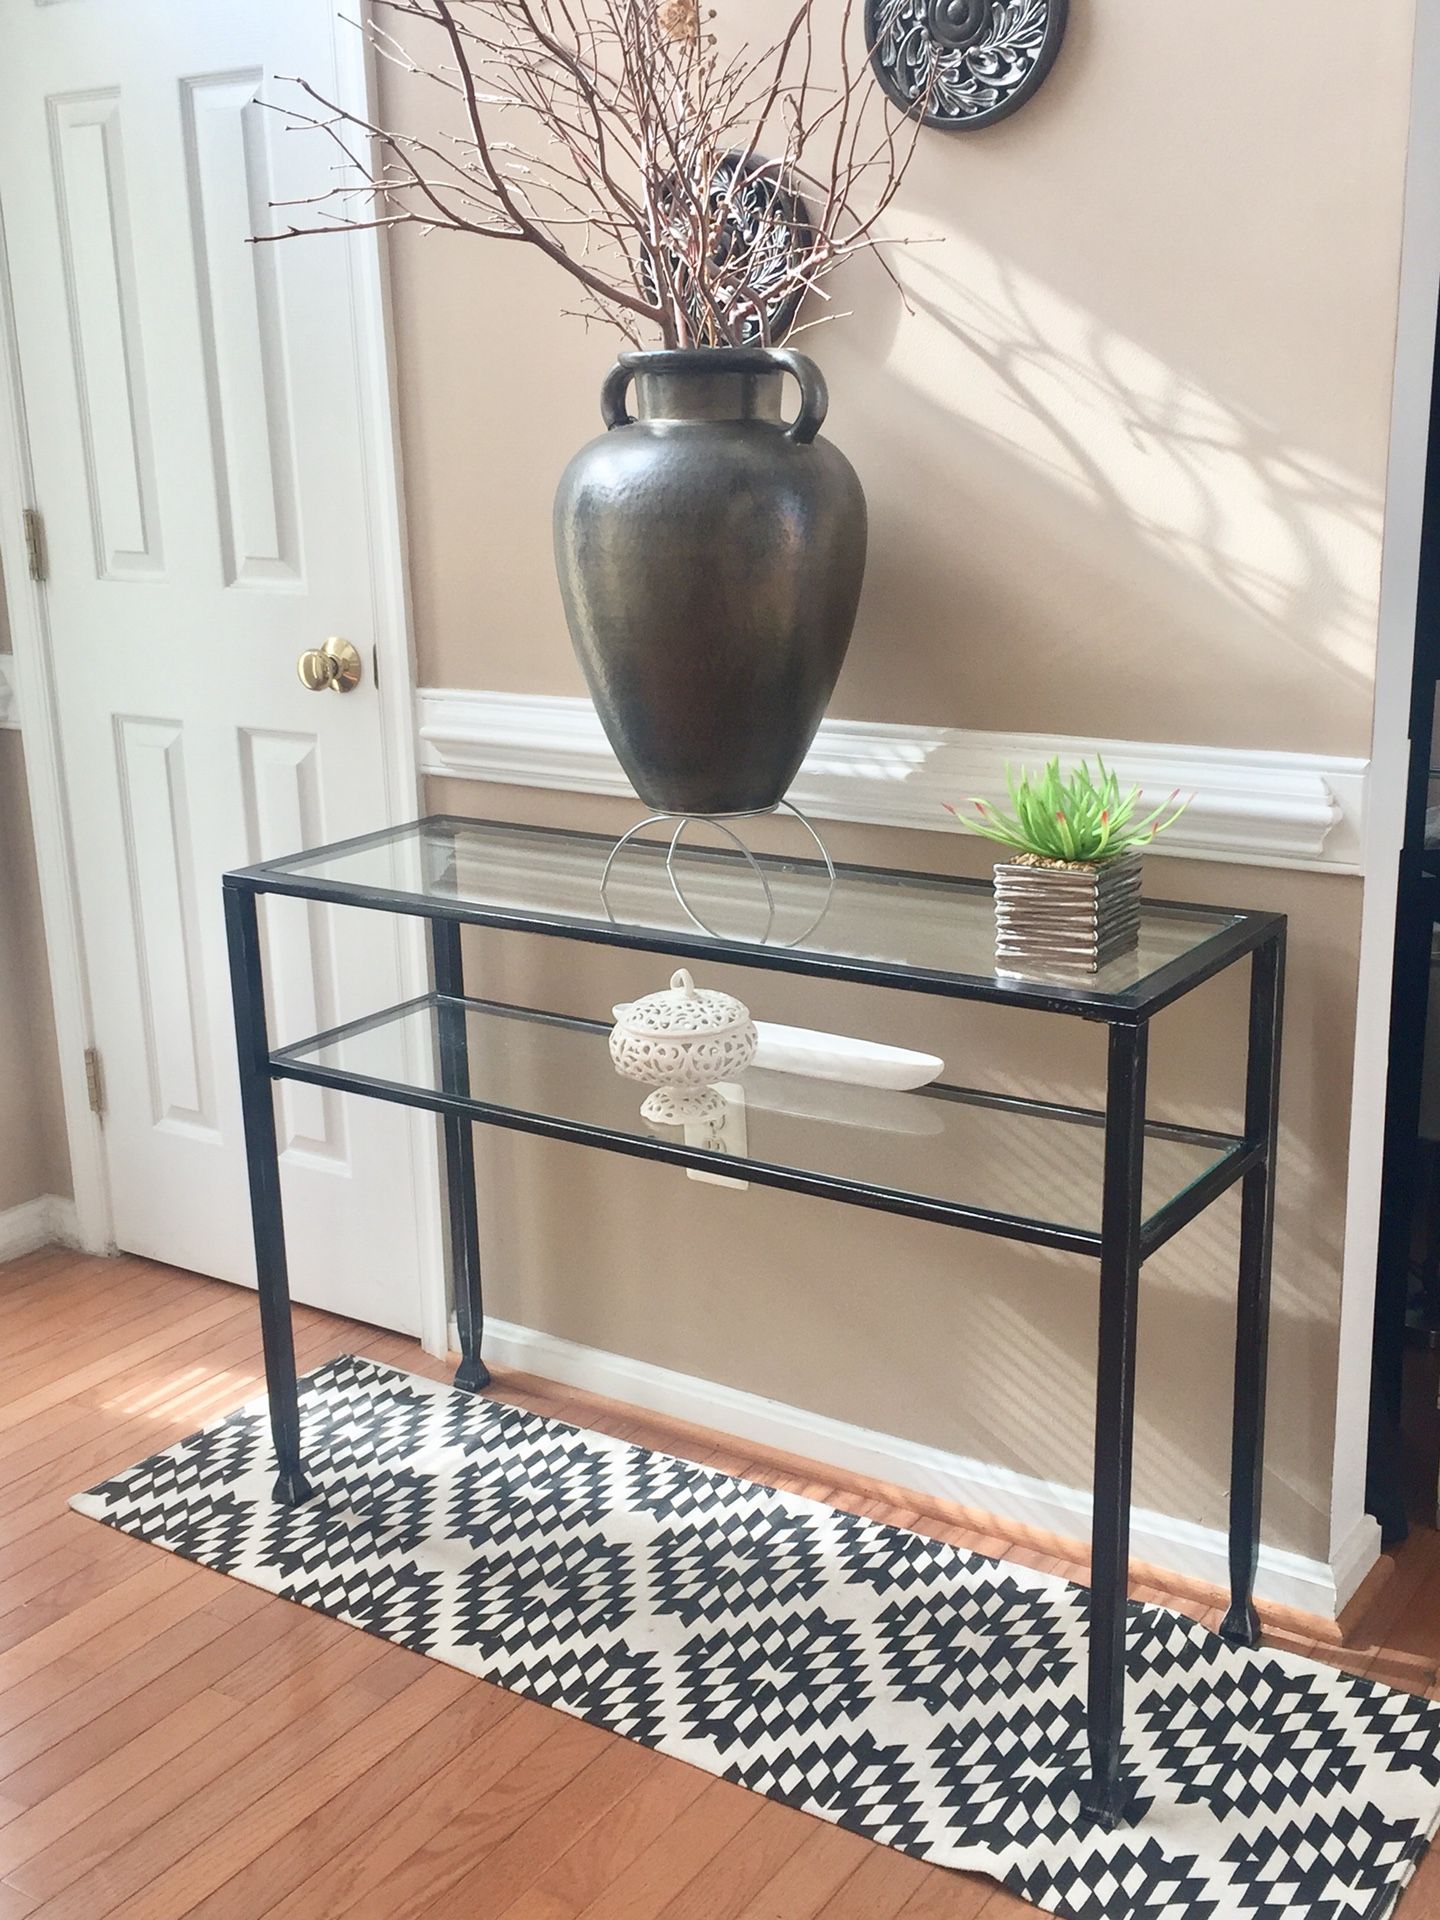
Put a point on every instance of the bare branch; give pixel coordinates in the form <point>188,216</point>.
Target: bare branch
<point>614,138</point>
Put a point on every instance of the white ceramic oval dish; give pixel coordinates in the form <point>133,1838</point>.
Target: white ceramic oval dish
<point>835,1056</point>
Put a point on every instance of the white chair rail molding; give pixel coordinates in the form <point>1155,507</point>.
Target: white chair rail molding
<point>1251,806</point>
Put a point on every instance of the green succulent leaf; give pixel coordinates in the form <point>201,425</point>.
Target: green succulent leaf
<point>1080,816</point>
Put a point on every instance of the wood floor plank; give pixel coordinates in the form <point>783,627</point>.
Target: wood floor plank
<point>57,1531</point>
<point>290,1638</point>
<point>94,1441</point>
<point>74,1534</point>
<point>38,1757</point>
<point>161,1744</point>
<point>161,1819</point>
<point>21,1622</point>
<point>349,1817</point>
<point>423,1812</point>
<point>66,1314</point>
<point>27,1279</point>
<point>672,1860</point>
<point>558,1821</point>
<point>105,1290</point>
<point>44,1386</point>
<point>197,1874</point>
<point>47,1763</point>
<point>878,1888</point>
<point>204,1651</point>
<point>477,1829</point>
<point>584,1870</point>
<point>94,1576</point>
<point>48,1571</point>
<point>813,1874</point>
<point>742,1869</point>
<point>943,1895</point>
<point>103,1629</point>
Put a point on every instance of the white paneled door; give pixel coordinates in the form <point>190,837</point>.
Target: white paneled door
<point>198,436</point>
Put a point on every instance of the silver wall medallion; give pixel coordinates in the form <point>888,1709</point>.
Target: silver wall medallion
<point>962,63</point>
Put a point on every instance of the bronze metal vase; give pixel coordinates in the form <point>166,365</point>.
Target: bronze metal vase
<point>710,556</point>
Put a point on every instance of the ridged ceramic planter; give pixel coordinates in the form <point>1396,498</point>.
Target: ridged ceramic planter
<point>710,556</point>
<point>1065,920</point>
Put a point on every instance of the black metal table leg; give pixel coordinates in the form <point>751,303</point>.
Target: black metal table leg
<point>473,1375</point>
<point>1241,1625</point>
<point>257,1104</point>
<point>1104,1796</point>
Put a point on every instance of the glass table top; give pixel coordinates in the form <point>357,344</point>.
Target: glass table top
<point>951,1149</point>
<point>901,929</point>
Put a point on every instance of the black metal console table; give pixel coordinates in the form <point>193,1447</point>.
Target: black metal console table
<point>544,1073</point>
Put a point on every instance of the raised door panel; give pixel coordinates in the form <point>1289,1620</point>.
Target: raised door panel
<point>281,773</point>
<point>252,444</point>
<point>93,221</point>
<point>156,827</point>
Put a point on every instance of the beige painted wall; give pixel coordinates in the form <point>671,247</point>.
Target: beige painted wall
<point>1125,459</point>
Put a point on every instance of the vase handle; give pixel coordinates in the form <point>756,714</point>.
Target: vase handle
<point>814,394</point>
<point>613,410</point>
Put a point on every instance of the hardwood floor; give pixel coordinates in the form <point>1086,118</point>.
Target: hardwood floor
<point>173,1743</point>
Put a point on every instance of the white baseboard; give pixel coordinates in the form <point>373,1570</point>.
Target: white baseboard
<point>1353,1558</point>
<point>1255,807</point>
<point>1178,1546</point>
<point>48,1221</point>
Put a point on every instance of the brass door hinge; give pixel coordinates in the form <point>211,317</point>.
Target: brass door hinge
<point>35,544</point>
<point>94,1080</point>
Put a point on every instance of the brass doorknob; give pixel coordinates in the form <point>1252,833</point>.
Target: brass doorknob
<point>335,666</point>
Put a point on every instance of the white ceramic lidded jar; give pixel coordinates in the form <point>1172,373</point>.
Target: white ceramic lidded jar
<point>680,1042</point>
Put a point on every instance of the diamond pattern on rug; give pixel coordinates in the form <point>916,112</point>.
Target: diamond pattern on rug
<point>752,1682</point>
<point>954,1650</point>
<point>1246,1749</point>
<point>701,1572</point>
<point>928,1698</point>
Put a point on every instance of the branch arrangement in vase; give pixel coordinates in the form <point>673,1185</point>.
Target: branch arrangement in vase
<point>1072,820</point>
<point>617,139</point>
<point>710,577</point>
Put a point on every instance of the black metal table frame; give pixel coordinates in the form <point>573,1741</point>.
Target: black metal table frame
<point>1125,1240</point>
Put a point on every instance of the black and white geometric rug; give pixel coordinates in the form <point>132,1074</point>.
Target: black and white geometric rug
<point>913,1692</point>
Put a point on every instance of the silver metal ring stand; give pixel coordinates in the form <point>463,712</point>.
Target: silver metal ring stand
<point>719,823</point>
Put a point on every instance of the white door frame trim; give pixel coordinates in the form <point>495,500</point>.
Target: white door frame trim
<point>1389,768</point>
<point>394,659</point>
<point>394,643</point>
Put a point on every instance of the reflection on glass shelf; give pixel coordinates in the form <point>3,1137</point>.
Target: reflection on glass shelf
<point>939,1145</point>
<point>917,921</point>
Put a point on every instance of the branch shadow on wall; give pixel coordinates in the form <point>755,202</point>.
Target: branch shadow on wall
<point>1019,454</point>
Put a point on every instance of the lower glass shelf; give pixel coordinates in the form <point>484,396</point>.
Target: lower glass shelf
<point>1026,1170</point>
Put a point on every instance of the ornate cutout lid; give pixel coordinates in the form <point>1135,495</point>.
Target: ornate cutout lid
<point>683,1008</point>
